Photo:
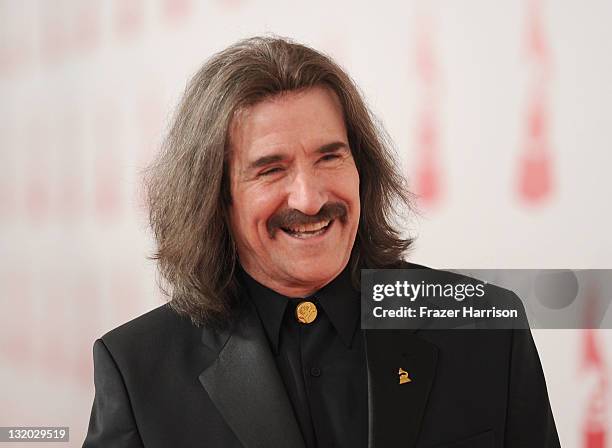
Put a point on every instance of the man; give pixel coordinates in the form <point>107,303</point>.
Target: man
<point>273,190</point>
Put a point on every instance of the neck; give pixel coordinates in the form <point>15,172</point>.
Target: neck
<point>291,289</point>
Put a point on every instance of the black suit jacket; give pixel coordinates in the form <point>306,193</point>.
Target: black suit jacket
<point>162,382</point>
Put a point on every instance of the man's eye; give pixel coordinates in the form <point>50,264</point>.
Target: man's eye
<point>270,171</point>
<point>328,157</point>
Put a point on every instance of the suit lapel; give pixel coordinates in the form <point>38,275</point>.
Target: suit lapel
<point>244,384</point>
<point>396,410</point>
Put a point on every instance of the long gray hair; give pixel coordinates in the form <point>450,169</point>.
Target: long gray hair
<point>188,186</point>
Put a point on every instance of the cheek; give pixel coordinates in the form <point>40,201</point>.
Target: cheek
<point>261,204</point>
<point>243,214</point>
<point>351,188</point>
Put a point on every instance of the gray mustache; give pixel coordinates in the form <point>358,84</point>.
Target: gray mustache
<point>292,217</point>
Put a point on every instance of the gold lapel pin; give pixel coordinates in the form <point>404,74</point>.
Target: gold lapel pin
<point>306,312</point>
<point>403,376</point>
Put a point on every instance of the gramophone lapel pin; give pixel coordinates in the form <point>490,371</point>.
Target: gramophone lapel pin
<point>403,376</point>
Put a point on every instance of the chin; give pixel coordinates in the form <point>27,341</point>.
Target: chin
<point>318,271</point>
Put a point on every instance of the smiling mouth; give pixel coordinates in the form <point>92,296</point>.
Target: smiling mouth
<point>304,231</point>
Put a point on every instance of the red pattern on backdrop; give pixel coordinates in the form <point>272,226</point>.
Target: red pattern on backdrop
<point>86,25</point>
<point>595,419</point>
<point>70,182</point>
<point>38,184</point>
<point>16,50</point>
<point>535,179</point>
<point>68,29</point>
<point>428,174</point>
<point>129,17</point>
<point>53,321</point>
<point>54,36</point>
<point>16,343</point>
<point>7,170</point>
<point>231,4</point>
<point>177,9</point>
<point>108,180</point>
<point>151,116</point>
<point>7,206</point>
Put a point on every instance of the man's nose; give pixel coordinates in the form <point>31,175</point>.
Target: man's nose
<point>307,193</point>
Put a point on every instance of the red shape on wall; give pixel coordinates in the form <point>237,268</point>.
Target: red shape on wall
<point>535,178</point>
<point>428,172</point>
<point>535,181</point>
<point>428,176</point>
<point>595,421</point>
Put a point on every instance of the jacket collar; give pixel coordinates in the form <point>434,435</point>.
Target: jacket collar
<point>244,383</point>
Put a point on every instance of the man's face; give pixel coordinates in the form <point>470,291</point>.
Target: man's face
<point>295,191</point>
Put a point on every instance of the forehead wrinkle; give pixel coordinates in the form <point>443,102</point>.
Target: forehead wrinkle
<point>242,113</point>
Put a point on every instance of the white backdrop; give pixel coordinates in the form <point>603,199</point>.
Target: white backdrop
<point>500,112</point>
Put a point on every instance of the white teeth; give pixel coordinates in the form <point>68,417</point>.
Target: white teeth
<point>309,227</point>
<point>308,230</point>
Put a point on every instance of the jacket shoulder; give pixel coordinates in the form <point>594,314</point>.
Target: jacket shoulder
<point>151,324</point>
<point>154,334</point>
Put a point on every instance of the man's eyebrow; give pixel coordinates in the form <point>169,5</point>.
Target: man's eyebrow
<point>332,147</point>
<point>273,158</point>
<point>265,160</point>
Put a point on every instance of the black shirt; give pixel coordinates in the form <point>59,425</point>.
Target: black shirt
<point>322,364</point>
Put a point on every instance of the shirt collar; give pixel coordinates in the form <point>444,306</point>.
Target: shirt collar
<point>342,304</point>
<point>339,299</point>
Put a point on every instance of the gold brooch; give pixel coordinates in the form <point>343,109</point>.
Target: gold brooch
<point>306,312</point>
<point>403,376</point>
